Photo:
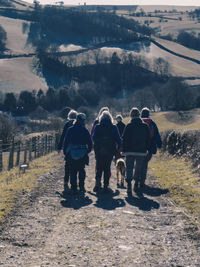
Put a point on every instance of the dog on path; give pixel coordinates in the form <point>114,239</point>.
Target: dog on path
<point>121,171</point>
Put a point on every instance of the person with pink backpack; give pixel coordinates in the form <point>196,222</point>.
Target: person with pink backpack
<point>155,142</point>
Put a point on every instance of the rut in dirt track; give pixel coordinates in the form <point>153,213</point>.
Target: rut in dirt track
<point>89,230</point>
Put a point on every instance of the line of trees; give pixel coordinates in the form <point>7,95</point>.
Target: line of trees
<point>189,40</point>
<point>56,25</point>
<point>6,3</point>
<point>172,95</point>
<point>3,39</point>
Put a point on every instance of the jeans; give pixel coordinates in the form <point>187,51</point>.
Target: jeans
<point>103,166</point>
<point>130,162</point>
<point>77,169</point>
<point>145,166</point>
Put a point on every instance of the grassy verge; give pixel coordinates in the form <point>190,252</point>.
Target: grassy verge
<point>12,183</point>
<point>177,175</point>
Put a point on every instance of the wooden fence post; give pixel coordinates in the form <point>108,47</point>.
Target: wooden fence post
<point>11,155</point>
<point>18,153</point>
<point>35,147</point>
<point>48,144</point>
<point>51,143</point>
<point>42,145</point>
<point>25,151</point>
<point>38,147</point>
<point>45,145</point>
<point>30,150</point>
<point>1,156</point>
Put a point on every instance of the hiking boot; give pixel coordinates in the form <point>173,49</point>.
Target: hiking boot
<point>142,184</point>
<point>136,187</point>
<point>66,187</point>
<point>129,190</point>
<point>74,190</point>
<point>82,189</point>
<point>107,189</point>
<point>96,188</point>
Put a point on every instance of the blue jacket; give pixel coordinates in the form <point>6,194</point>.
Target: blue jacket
<point>68,124</point>
<point>77,135</point>
<point>156,141</point>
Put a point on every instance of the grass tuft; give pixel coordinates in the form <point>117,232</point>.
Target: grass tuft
<point>12,183</point>
<point>177,175</point>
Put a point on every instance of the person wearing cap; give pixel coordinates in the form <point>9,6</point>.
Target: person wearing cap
<point>70,120</point>
<point>77,146</point>
<point>135,144</point>
<point>155,142</point>
<point>106,140</point>
<point>120,125</point>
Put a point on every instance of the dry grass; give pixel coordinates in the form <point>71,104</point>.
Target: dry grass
<point>6,159</point>
<point>179,49</point>
<point>170,120</point>
<point>12,183</point>
<point>177,175</point>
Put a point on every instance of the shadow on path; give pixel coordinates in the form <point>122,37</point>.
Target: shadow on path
<point>142,203</point>
<point>74,201</point>
<point>154,191</point>
<point>106,200</point>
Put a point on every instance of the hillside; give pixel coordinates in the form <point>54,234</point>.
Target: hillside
<point>16,4</point>
<point>22,36</point>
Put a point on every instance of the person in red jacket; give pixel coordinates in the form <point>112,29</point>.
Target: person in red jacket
<point>155,142</point>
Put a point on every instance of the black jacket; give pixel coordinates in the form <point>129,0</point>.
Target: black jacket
<point>120,125</point>
<point>136,136</point>
<point>106,139</point>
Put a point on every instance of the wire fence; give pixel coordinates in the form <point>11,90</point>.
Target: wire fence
<point>16,153</point>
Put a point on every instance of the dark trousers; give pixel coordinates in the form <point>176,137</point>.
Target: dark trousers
<point>103,167</point>
<point>145,167</point>
<point>131,162</point>
<point>77,169</point>
<point>66,177</point>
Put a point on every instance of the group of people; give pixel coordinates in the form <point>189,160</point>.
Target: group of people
<point>136,141</point>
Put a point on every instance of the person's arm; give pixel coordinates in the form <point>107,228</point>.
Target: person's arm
<point>117,136</point>
<point>148,137</point>
<point>157,135</point>
<point>93,127</point>
<point>125,138</point>
<point>89,141</point>
<point>95,133</point>
<point>60,144</point>
<point>66,140</point>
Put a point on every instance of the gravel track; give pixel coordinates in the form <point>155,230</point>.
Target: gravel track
<point>110,229</point>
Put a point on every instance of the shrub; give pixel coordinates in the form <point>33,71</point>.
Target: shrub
<point>183,143</point>
<point>7,128</point>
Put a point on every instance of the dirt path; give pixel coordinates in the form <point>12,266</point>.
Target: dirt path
<point>111,230</point>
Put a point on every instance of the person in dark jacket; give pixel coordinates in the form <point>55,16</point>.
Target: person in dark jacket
<point>70,120</point>
<point>77,145</point>
<point>136,139</point>
<point>120,125</point>
<point>155,142</point>
<point>106,140</point>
